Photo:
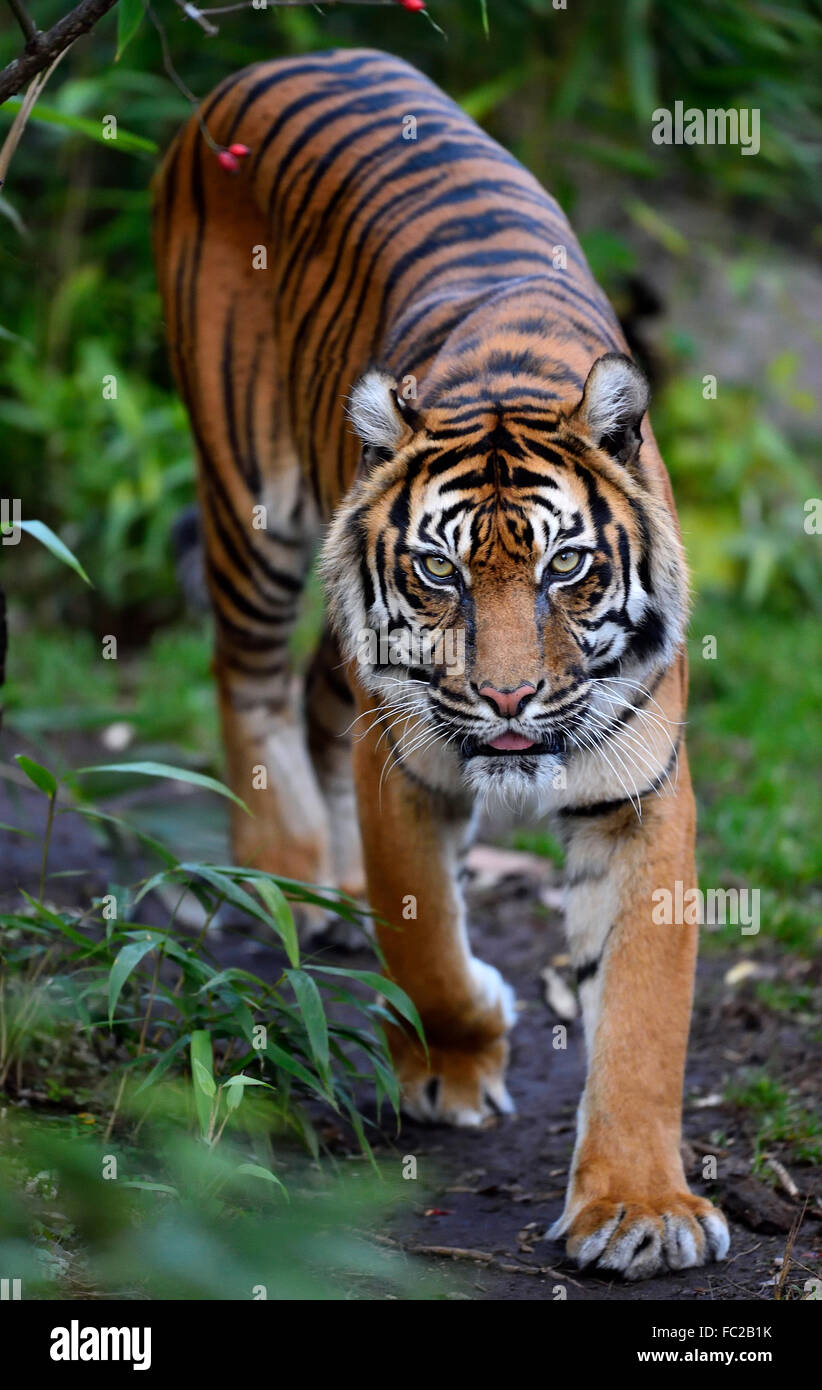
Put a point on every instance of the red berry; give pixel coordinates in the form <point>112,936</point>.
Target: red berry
<point>239,151</point>
<point>413,4</point>
<point>227,161</point>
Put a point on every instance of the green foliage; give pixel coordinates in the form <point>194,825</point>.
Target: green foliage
<point>129,18</point>
<point>180,1219</point>
<point>779,1119</point>
<point>46,536</point>
<point>190,1042</point>
<point>120,469</point>
<point>741,488</point>
<point>760,798</point>
<point>126,142</point>
<point>106,962</point>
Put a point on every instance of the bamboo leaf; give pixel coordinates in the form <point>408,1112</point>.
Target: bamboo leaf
<point>129,17</point>
<point>396,997</point>
<point>44,780</point>
<point>174,774</point>
<point>281,916</point>
<point>126,142</point>
<point>256,1171</point>
<point>203,1079</point>
<point>202,1060</point>
<point>313,1015</point>
<point>58,548</point>
<point>126,960</point>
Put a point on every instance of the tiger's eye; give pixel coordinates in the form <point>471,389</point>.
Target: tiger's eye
<point>565,561</point>
<point>438,565</point>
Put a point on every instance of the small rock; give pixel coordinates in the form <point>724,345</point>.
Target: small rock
<point>558,995</point>
<point>754,1205</point>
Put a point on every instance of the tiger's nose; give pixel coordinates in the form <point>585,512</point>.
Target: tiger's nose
<point>507,702</point>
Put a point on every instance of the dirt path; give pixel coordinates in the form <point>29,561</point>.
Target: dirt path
<point>496,1190</point>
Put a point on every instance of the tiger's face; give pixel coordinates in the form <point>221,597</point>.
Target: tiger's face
<point>504,577</point>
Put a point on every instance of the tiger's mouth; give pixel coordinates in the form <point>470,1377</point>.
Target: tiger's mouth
<point>512,745</point>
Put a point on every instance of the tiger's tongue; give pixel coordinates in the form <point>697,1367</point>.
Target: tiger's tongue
<point>511,743</point>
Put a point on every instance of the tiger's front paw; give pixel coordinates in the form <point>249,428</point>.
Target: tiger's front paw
<point>458,1087</point>
<point>462,1081</point>
<point>640,1238</point>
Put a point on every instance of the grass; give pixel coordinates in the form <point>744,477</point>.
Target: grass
<point>757,782</point>
<point>778,1119</point>
<point>58,681</point>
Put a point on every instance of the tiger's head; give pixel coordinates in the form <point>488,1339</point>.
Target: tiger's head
<point>505,573</point>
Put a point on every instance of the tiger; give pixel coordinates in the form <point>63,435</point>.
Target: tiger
<point>393,354</point>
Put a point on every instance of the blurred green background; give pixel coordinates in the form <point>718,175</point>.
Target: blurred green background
<point>710,257</point>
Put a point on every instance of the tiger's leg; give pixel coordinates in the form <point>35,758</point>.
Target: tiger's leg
<point>412,842</point>
<point>628,1206</point>
<point>259,522</point>
<point>256,583</point>
<point>331,730</point>
<point>268,762</point>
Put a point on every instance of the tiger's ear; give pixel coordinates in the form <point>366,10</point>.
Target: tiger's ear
<point>613,403</point>
<point>381,417</point>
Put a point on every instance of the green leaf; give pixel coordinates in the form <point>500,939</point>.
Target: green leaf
<point>16,830</point>
<point>64,926</point>
<point>46,537</point>
<point>161,1067</point>
<point>129,17</point>
<point>151,1187</point>
<point>313,1014</point>
<point>639,56</point>
<point>174,774</point>
<point>242,1080</point>
<point>657,227</point>
<point>202,1056</point>
<point>105,817</point>
<point>233,1098</point>
<point>332,899</point>
<point>281,914</point>
<point>483,100</point>
<point>235,1086</point>
<point>126,142</point>
<point>256,1171</point>
<point>203,1079</point>
<point>290,1064</point>
<point>227,889</point>
<point>397,997</point>
<point>36,773</point>
<point>126,960</point>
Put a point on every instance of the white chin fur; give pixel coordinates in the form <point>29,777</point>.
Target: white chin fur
<point>504,784</point>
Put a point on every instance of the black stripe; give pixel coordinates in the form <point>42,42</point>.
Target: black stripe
<point>582,876</point>
<point>587,971</point>
<point>604,808</point>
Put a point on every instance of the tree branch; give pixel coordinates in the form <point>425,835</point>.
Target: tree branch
<point>44,48</point>
<point>25,21</point>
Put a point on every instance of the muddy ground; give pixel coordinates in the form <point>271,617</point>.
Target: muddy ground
<point>488,1196</point>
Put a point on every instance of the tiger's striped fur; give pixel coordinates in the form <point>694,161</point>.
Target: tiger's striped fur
<point>428,292</point>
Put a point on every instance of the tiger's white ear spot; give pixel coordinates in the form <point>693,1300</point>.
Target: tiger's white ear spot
<point>373,410</point>
<point>613,403</point>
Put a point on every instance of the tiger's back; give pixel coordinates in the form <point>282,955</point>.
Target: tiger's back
<point>379,217</point>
